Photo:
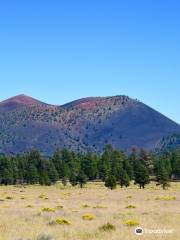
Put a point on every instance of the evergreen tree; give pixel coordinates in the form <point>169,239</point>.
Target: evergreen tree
<point>14,167</point>
<point>57,161</point>
<point>44,179</point>
<point>89,165</point>
<point>146,160</point>
<point>64,173</point>
<point>116,163</point>
<point>73,179</point>
<point>175,160</point>
<point>167,164</point>
<point>127,167</point>
<point>21,168</point>
<point>110,182</point>
<point>124,179</point>
<point>162,173</point>
<point>163,177</point>
<point>51,171</point>
<point>82,179</point>
<point>133,159</point>
<point>6,171</point>
<point>32,176</point>
<point>104,163</point>
<point>141,175</point>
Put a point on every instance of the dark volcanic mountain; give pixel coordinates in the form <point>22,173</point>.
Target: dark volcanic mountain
<point>83,125</point>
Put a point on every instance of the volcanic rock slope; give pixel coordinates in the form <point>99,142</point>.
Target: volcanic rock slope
<point>84,125</point>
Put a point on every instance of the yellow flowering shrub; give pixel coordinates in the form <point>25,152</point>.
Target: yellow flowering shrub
<point>89,217</point>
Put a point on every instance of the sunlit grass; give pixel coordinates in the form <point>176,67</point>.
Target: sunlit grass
<point>93,212</point>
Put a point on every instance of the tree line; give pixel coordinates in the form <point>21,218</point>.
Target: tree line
<point>112,167</point>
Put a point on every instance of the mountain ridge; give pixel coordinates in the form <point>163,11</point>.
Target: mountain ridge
<point>19,101</point>
<point>86,124</point>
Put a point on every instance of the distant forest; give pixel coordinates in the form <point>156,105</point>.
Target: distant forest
<point>112,167</point>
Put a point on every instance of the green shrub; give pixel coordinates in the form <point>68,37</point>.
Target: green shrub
<point>9,197</point>
<point>99,206</point>
<point>107,227</point>
<point>86,206</point>
<point>89,217</point>
<point>29,206</point>
<point>62,221</point>
<point>59,207</point>
<point>46,209</point>
<point>129,196</point>
<point>131,206</point>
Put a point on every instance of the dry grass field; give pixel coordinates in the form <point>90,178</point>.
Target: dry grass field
<point>81,214</point>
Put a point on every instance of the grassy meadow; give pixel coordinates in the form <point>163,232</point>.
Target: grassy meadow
<point>93,212</point>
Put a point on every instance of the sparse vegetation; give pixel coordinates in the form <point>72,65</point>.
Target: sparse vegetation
<point>131,223</point>
<point>131,206</point>
<point>47,209</point>
<point>166,198</point>
<point>105,212</point>
<point>62,221</point>
<point>89,217</point>
<point>107,227</point>
<point>69,190</point>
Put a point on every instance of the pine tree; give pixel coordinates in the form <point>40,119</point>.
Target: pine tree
<point>162,173</point>
<point>110,182</point>
<point>44,179</point>
<point>141,175</point>
<point>73,179</point>
<point>124,179</point>
<point>116,163</point>
<point>32,176</point>
<point>104,166</point>
<point>163,178</point>
<point>133,158</point>
<point>21,168</point>
<point>82,179</point>
<point>64,174</point>
<point>89,165</point>
<point>175,160</point>
<point>146,160</point>
<point>6,171</point>
<point>56,159</point>
<point>52,173</point>
<point>127,167</point>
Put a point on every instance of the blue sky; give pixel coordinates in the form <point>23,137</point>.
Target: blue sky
<point>58,51</point>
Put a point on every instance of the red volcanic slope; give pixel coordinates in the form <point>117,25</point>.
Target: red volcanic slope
<point>19,101</point>
<point>90,104</point>
<point>87,103</point>
<point>22,99</point>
